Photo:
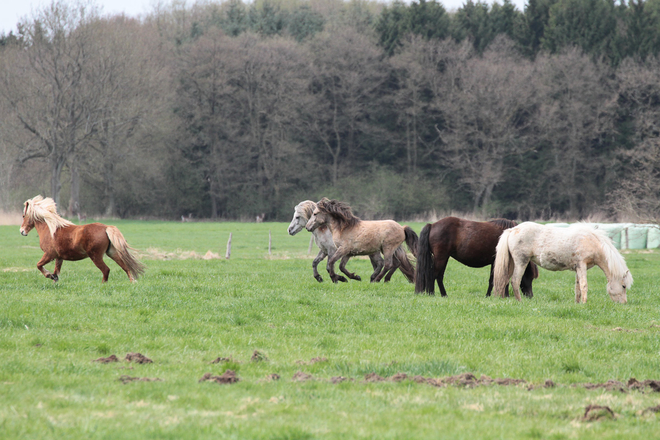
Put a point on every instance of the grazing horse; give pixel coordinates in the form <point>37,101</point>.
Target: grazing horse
<point>468,242</point>
<point>62,240</point>
<point>576,248</point>
<point>354,236</point>
<point>323,238</point>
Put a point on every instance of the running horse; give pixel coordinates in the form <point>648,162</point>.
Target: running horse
<point>468,242</point>
<point>323,239</point>
<point>62,240</point>
<point>354,236</point>
<point>577,248</point>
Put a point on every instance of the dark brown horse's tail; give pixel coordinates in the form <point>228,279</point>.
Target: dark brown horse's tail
<point>411,239</point>
<point>425,279</point>
<point>405,266</point>
<point>123,251</point>
<point>503,268</point>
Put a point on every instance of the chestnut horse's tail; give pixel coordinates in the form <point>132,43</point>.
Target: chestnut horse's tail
<point>425,273</point>
<point>503,268</point>
<point>123,252</point>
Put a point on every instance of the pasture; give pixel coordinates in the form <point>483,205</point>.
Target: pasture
<point>186,312</point>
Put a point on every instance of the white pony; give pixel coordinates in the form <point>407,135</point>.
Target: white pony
<point>577,248</point>
<point>323,238</point>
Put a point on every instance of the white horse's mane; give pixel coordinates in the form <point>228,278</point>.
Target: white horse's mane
<point>615,262</point>
<point>306,208</point>
<point>40,209</point>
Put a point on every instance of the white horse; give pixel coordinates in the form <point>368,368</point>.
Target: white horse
<point>576,248</point>
<point>323,238</point>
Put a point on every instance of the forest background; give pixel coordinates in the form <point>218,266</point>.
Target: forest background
<point>231,109</point>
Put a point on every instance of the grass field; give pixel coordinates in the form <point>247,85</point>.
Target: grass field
<point>184,313</point>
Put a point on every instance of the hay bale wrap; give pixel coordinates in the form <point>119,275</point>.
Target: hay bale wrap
<point>613,230</point>
<point>653,237</point>
<point>634,236</point>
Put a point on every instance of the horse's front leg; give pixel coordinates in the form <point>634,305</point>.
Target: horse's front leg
<point>332,259</point>
<point>342,267</point>
<point>58,267</point>
<point>322,254</point>
<point>581,283</point>
<point>44,261</point>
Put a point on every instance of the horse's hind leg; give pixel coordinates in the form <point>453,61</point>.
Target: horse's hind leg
<point>526,283</point>
<point>58,267</point>
<point>342,267</point>
<point>395,265</point>
<point>581,283</point>
<point>440,266</point>
<point>377,263</point>
<point>97,258</point>
<point>518,271</point>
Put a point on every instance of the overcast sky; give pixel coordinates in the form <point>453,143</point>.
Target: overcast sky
<point>11,11</point>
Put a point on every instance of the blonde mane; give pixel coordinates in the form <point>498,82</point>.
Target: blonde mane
<point>40,209</point>
<point>306,208</point>
<point>615,262</point>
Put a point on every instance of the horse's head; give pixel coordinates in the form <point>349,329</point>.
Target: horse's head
<point>302,212</point>
<point>318,218</point>
<point>618,286</point>
<point>28,218</point>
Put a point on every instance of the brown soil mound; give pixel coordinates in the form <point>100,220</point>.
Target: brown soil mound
<point>258,357</point>
<point>228,377</point>
<point>127,379</point>
<point>634,384</point>
<point>654,409</point>
<point>594,413</point>
<point>138,358</point>
<point>373,377</point>
<point>302,377</point>
<point>107,360</point>
<point>224,359</point>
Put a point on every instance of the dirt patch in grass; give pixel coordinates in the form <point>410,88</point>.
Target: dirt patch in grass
<point>312,361</point>
<point>128,379</point>
<point>652,409</point>
<point>302,377</point>
<point>219,360</point>
<point>258,357</point>
<point>595,413</point>
<point>107,360</point>
<point>138,358</point>
<point>228,377</point>
<point>634,384</point>
<point>179,254</point>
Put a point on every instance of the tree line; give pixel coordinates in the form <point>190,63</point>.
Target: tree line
<point>231,109</point>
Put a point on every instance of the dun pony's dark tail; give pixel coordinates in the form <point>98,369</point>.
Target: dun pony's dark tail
<point>411,239</point>
<point>425,279</point>
<point>122,250</point>
<point>503,268</point>
<point>405,266</point>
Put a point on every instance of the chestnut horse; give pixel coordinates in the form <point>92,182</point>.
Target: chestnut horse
<point>468,242</point>
<point>354,236</point>
<point>62,240</point>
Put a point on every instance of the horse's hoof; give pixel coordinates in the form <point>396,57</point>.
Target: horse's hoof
<point>342,279</point>
<point>318,278</point>
<point>357,278</point>
<point>55,278</point>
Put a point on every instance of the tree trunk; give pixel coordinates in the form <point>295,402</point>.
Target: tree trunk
<point>74,199</point>
<point>55,183</point>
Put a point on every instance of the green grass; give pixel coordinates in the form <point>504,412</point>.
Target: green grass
<point>185,313</point>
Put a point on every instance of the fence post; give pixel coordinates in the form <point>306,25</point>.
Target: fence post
<point>228,254</point>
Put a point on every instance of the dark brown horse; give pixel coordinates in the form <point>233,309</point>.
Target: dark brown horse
<point>468,242</point>
<point>354,236</point>
<point>62,240</point>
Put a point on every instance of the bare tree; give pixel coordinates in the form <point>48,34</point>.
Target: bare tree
<point>45,87</point>
<point>347,73</point>
<point>486,104</point>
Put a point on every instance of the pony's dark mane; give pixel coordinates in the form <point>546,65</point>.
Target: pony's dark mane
<point>340,211</point>
<point>503,223</point>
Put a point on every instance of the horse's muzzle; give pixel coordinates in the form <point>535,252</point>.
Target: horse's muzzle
<point>23,233</point>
